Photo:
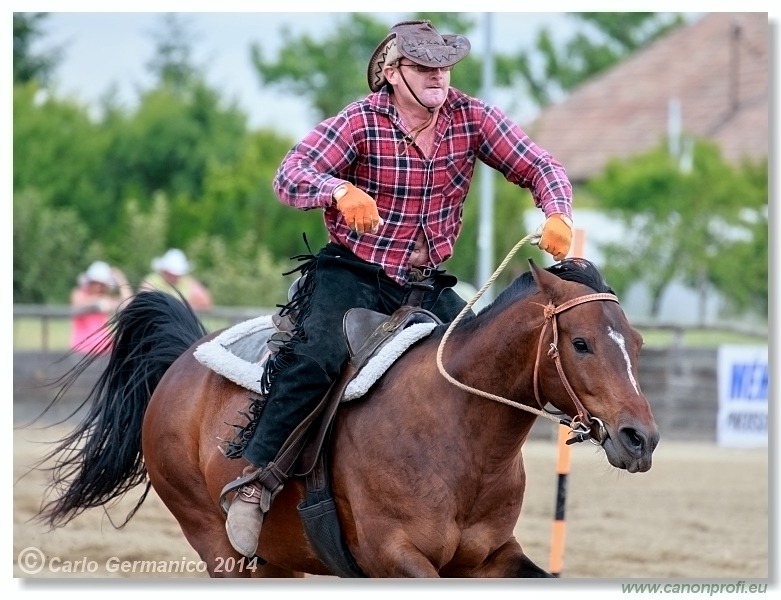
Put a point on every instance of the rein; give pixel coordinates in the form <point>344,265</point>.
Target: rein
<point>581,424</point>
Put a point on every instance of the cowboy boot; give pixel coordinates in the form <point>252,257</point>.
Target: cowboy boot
<point>245,517</point>
<point>255,490</point>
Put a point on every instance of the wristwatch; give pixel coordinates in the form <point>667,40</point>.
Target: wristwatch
<point>339,192</point>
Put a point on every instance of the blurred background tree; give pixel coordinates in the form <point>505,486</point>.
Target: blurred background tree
<point>32,66</point>
<point>548,70</point>
<point>183,169</point>
<point>693,224</point>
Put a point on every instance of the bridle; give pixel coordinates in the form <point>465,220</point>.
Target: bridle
<point>583,425</point>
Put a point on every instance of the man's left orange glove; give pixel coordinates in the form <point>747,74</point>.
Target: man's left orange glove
<point>556,236</point>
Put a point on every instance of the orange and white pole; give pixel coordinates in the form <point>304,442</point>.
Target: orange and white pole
<point>563,462</point>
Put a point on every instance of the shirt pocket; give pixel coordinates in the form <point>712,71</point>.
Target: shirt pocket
<point>456,172</point>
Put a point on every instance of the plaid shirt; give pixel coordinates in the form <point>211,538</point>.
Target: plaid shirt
<point>362,145</point>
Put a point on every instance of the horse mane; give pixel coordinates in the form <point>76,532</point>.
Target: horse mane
<point>578,270</point>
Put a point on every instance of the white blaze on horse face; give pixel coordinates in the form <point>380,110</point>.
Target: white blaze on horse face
<point>619,339</point>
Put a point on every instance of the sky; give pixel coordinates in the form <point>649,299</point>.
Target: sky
<point>105,49</point>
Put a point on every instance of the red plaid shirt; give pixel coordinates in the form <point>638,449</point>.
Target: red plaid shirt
<point>360,145</point>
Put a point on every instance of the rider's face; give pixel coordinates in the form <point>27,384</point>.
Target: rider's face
<point>430,85</point>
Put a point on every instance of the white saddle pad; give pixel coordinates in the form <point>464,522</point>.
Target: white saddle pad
<point>240,354</point>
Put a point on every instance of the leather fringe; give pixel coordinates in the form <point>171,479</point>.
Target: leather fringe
<point>298,308</point>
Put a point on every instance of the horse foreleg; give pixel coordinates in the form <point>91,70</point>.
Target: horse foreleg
<point>509,561</point>
<point>203,526</point>
<point>207,536</point>
<point>397,560</point>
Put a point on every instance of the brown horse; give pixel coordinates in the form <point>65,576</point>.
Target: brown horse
<point>428,478</point>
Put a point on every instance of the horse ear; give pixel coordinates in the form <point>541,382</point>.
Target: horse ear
<point>545,280</point>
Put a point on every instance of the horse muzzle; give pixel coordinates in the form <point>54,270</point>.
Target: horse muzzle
<point>630,448</point>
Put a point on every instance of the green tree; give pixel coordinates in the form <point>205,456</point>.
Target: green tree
<point>684,225</point>
<point>179,166</point>
<point>241,274</point>
<point>59,152</point>
<point>172,63</point>
<point>169,142</point>
<point>548,71</point>
<point>50,247</point>
<point>32,66</point>
<point>180,131</point>
<point>740,272</point>
<point>141,236</point>
<point>238,197</point>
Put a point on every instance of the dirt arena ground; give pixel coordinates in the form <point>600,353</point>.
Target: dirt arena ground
<point>700,512</point>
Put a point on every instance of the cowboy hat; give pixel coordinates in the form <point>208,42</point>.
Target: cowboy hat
<point>418,41</point>
<point>99,272</point>
<point>174,262</point>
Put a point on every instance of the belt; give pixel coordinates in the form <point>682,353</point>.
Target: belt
<point>421,280</point>
<point>420,274</point>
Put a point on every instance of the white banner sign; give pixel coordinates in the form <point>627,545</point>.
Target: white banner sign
<point>743,396</point>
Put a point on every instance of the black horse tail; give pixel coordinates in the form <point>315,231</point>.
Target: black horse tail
<point>101,460</point>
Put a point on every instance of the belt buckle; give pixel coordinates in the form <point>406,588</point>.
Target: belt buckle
<point>418,274</point>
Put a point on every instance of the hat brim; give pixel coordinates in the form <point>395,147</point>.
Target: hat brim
<point>374,74</point>
<point>179,270</point>
<point>456,47</point>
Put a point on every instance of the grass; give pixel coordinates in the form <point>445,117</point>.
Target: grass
<point>33,333</point>
<point>697,338</point>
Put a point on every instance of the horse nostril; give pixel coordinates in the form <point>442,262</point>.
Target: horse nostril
<point>633,440</point>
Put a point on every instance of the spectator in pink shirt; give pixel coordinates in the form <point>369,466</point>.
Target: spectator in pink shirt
<point>99,294</point>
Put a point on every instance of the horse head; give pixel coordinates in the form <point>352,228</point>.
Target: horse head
<point>587,362</point>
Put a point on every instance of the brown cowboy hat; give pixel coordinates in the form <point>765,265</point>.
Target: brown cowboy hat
<point>420,42</point>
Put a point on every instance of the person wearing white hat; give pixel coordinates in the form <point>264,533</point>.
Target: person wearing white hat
<point>171,273</point>
<point>391,173</point>
<point>100,292</point>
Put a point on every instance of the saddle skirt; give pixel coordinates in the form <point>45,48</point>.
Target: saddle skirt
<point>240,354</point>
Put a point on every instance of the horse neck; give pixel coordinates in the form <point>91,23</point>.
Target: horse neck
<point>496,354</point>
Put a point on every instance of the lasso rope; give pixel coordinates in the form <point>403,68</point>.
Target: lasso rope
<point>464,311</point>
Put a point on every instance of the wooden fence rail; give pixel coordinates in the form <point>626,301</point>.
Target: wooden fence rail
<point>224,316</point>
<point>47,314</point>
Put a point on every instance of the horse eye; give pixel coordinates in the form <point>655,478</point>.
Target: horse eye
<point>580,345</point>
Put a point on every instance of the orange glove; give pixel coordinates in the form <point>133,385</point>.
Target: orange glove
<point>358,208</point>
<point>556,236</point>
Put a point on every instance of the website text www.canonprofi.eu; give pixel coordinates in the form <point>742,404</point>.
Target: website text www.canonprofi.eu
<point>707,589</point>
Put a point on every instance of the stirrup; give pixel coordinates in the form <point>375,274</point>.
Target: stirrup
<point>235,485</point>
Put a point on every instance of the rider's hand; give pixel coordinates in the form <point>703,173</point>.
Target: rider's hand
<point>556,236</point>
<point>358,208</point>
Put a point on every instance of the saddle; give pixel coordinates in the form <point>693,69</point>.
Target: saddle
<point>366,332</point>
<point>304,453</point>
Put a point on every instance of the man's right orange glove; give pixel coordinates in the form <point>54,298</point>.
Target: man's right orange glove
<point>358,208</point>
<point>556,236</point>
